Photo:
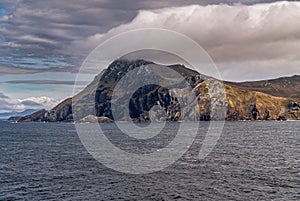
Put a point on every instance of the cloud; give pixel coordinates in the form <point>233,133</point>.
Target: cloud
<point>34,39</point>
<point>3,96</point>
<point>51,26</point>
<point>261,39</point>
<point>8,104</point>
<point>55,82</point>
<point>237,32</point>
<point>29,103</point>
<point>43,101</point>
<point>233,32</point>
<point>7,69</point>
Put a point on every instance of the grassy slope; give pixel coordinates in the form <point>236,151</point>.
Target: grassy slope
<point>241,100</point>
<point>288,87</point>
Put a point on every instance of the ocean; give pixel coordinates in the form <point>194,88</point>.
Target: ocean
<point>251,161</point>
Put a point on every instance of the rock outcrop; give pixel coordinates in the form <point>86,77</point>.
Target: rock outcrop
<point>39,116</point>
<point>95,119</point>
<point>153,102</point>
<point>62,112</point>
<point>15,118</point>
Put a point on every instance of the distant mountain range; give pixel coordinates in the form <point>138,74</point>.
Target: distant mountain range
<point>276,99</point>
<point>6,115</point>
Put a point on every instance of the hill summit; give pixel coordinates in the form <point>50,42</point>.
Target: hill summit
<point>276,99</point>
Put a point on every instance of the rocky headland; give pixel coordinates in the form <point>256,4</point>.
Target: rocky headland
<point>276,99</point>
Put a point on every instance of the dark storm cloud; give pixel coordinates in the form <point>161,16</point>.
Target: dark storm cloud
<point>50,26</point>
<point>74,28</point>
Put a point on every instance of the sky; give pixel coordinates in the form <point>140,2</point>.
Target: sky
<point>43,43</point>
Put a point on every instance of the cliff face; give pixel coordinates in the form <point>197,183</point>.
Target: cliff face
<point>62,112</point>
<point>151,101</point>
<point>244,104</point>
<point>38,116</point>
<point>244,101</point>
<point>274,99</point>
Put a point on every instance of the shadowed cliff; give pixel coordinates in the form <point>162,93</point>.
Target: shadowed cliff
<point>276,99</point>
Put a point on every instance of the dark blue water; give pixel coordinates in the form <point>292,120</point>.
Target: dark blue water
<point>252,161</point>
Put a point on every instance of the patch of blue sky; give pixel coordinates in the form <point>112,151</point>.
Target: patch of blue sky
<point>34,62</point>
<point>21,91</point>
<point>25,90</point>
<point>3,11</point>
<point>60,76</point>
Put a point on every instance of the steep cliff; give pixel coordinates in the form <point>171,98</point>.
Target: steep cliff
<point>244,104</point>
<point>263,100</point>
